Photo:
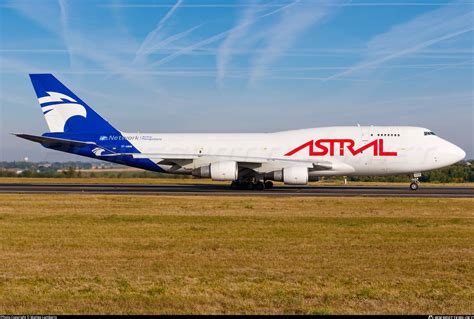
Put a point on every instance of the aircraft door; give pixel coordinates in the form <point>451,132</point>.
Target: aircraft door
<point>365,132</point>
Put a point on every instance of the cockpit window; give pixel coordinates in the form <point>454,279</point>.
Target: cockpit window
<point>429,133</point>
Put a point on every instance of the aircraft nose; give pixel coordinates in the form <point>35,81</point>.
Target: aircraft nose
<point>454,153</point>
<point>459,153</point>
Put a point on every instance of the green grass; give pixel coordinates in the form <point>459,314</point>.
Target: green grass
<point>158,254</point>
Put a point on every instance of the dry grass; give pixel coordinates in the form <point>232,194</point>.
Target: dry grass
<point>156,254</point>
<point>167,181</point>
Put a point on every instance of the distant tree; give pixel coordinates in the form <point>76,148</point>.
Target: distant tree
<point>69,172</point>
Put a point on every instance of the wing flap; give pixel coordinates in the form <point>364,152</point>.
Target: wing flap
<point>321,166</point>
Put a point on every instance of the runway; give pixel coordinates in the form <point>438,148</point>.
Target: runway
<point>224,190</point>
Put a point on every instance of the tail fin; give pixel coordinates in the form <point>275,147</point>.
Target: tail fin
<point>63,110</point>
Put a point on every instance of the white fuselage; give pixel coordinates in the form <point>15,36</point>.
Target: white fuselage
<point>372,150</point>
<point>294,157</point>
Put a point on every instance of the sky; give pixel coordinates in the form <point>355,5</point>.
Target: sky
<point>240,66</point>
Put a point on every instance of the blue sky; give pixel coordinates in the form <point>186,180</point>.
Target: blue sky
<point>241,66</point>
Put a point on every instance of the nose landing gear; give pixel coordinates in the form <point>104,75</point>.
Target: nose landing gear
<point>414,181</point>
<point>414,186</point>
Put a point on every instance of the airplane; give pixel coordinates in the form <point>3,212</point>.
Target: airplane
<point>249,160</point>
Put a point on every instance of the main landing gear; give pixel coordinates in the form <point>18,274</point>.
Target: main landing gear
<point>268,184</point>
<point>251,185</point>
<point>414,181</point>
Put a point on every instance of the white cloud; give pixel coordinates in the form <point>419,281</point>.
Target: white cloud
<point>218,36</point>
<point>154,36</point>
<point>278,35</point>
<point>284,33</point>
<point>44,15</point>
<point>413,36</point>
<point>163,44</point>
<point>224,53</point>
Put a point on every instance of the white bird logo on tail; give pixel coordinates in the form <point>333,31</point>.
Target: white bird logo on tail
<point>98,151</point>
<point>60,111</point>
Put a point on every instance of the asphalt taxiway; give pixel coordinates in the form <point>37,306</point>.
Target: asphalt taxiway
<point>224,190</point>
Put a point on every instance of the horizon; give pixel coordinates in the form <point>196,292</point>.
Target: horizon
<point>240,66</point>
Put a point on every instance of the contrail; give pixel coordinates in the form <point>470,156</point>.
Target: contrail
<point>152,35</point>
<point>217,37</point>
<point>400,53</point>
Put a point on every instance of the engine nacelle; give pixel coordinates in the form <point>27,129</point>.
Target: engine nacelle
<point>219,171</point>
<point>224,171</point>
<point>203,171</point>
<point>297,175</point>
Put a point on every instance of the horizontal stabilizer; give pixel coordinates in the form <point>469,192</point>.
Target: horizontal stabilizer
<point>44,139</point>
<point>53,141</point>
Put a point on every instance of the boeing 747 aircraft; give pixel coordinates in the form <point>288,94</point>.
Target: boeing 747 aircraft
<point>247,160</point>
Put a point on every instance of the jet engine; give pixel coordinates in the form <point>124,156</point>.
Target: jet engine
<point>297,175</point>
<point>219,171</point>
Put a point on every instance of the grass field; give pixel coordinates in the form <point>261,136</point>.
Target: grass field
<point>157,254</point>
<point>161,181</point>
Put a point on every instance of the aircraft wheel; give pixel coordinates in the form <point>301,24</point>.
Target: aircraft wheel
<point>268,185</point>
<point>234,185</point>
<point>259,186</point>
<point>414,186</point>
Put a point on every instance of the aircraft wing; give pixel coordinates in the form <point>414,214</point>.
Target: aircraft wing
<point>184,160</point>
<point>176,159</point>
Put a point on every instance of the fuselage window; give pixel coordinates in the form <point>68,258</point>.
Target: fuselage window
<point>380,134</point>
